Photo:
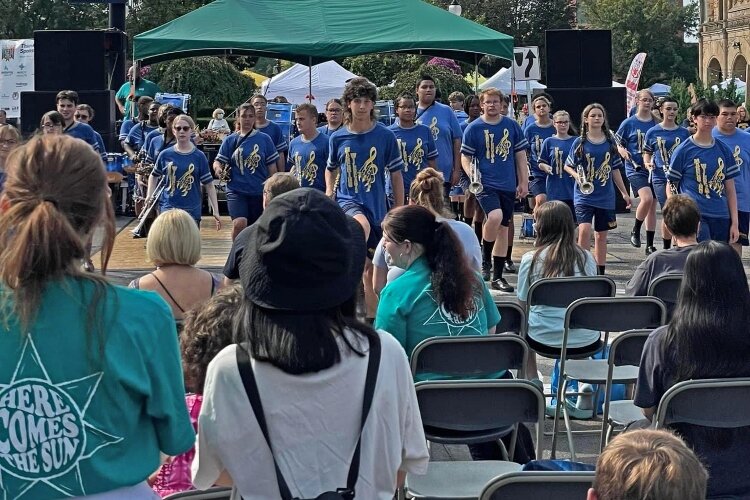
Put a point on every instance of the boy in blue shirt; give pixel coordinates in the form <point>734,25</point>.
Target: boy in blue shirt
<point>496,147</point>
<point>704,168</point>
<point>361,154</point>
<point>263,124</point>
<point>308,152</point>
<point>66,102</point>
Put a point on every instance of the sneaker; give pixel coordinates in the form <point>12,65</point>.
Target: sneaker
<point>510,267</point>
<point>502,285</point>
<point>635,239</point>
<point>573,412</point>
<point>486,271</point>
<point>650,250</point>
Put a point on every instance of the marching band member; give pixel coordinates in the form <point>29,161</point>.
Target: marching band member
<point>184,167</point>
<point>495,147</point>
<point>156,142</point>
<point>247,157</point>
<point>149,120</point>
<point>334,117</point>
<point>552,156</point>
<point>473,214</point>
<point>362,153</point>
<point>593,159</point>
<point>704,168</point>
<point>308,152</point>
<point>535,134</point>
<point>632,135</point>
<point>9,140</point>
<point>414,140</point>
<point>661,141</point>
<point>262,124</point>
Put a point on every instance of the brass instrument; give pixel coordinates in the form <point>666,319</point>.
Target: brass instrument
<point>144,168</point>
<point>586,186</point>
<point>225,176</point>
<point>475,184</point>
<point>149,206</point>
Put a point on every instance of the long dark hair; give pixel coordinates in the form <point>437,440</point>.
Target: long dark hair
<point>453,282</point>
<point>708,336</point>
<point>555,231</point>
<point>579,152</point>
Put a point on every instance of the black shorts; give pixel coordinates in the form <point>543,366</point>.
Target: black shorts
<point>493,199</point>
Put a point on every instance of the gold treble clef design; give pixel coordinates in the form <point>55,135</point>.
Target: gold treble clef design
<point>369,170</point>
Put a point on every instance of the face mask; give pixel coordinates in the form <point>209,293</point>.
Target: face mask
<point>219,116</point>
<point>388,259</point>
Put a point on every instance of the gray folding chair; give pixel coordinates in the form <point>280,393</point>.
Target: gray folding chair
<point>667,288</point>
<point>470,357</point>
<point>217,493</point>
<point>512,317</point>
<point>468,412</point>
<point>539,484</point>
<point>606,314</point>
<point>722,402</point>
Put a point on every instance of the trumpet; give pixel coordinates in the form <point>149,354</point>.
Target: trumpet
<point>586,186</point>
<point>226,175</point>
<point>149,206</point>
<point>475,184</point>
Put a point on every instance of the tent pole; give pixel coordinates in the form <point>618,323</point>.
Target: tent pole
<point>476,74</point>
<point>309,79</point>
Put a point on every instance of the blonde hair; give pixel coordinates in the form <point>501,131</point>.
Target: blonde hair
<point>216,112</point>
<point>649,465</point>
<point>174,238</point>
<point>279,183</point>
<point>427,190</point>
<point>490,91</point>
<point>183,118</point>
<point>55,194</point>
<point>9,132</point>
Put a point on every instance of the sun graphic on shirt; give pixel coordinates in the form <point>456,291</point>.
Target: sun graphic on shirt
<point>44,434</point>
<point>455,325</point>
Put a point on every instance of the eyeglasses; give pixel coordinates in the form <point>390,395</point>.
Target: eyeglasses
<point>182,129</point>
<point>8,142</point>
<point>81,117</point>
<point>50,126</point>
<point>334,110</point>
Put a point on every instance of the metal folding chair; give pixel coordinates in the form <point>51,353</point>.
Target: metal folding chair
<point>606,314</point>
<point>217,493</point>
<point>723,403</point>
<point>667,288</point>
<point>468,412</point>
<point>512,317</point>
<point>539,484</point>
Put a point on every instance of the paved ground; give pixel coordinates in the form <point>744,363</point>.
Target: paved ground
<point>621,261</point>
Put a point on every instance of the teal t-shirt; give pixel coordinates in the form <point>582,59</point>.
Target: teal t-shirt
<point>145,87</point>
<point>79,416</point>
<point>409,311</point>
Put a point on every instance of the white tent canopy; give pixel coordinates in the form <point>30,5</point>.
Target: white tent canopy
<point>328,81</point>
<point>502,79</point>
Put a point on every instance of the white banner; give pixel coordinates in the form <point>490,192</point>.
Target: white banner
<point>634,76</point>
<point>16,73</point>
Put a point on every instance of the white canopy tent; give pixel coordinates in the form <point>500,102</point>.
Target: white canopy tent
<point>326,80</point>
<point>502,81</point>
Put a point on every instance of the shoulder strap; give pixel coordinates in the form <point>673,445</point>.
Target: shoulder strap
<point>168,293</point>
<point>251,388</point>
<point>239,140</point>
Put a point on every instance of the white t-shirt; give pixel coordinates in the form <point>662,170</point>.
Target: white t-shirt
<point>313,423</point>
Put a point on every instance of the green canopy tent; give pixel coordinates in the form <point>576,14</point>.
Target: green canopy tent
<point>314,31</point>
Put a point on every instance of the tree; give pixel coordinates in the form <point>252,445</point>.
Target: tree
<point>380,69</point>
<point>405,82</point>
<point>144,15</point>
<point>19,19</point>
<point>655,27</point>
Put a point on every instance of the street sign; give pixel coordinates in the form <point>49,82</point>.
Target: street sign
<point>526,63</point>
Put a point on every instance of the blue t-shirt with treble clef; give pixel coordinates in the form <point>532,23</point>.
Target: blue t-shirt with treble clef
<point>249,163</point>
<point>599,161</point>
<point>661,143</point>
<point>445,129</point>
<point>417,147</point>
<point>632,133</point>
<point>364,159</point>
<point>739,144</point>
<point>536,134</point>
<point>182,170</point>
<point>554,152</point>
<point>307,161</point>
<point>495,146</point>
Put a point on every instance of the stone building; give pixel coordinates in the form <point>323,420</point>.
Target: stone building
<point>724,39</point>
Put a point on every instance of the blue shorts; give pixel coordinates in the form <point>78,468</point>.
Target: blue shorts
<point>493,199</point>
<point>660,191</point>
<point>743,226</point>
<point>244,205</point>
<point>351,209</point>
<point>538,185</point>
<point>639,180</point>
<point>714,228</point>
<point>604,219</point>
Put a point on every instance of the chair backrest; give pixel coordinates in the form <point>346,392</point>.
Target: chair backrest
<point>615,314</point>
<point>627,348</point>
<point>470,356</point>
<point>561,292</point>
<point>723,403</point>
<point>667,288</point>
<point>539,484</point>
<point>512,317</point>
<point>217,493</point>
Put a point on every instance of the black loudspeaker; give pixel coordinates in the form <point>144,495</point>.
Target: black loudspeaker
<point>79,60</point>
<point>35,104</point>
<point>579,58</point>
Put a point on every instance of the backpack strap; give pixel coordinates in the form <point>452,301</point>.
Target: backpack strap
<point>251,388</point>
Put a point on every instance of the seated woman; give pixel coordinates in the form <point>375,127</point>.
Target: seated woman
<point>556,255</point>
<point>427,191</point>
<point>174,246</point>
<point>707,338</point>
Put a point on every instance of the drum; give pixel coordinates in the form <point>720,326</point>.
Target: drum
<point>115,172</point>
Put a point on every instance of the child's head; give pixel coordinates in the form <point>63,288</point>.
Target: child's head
<point>207,330</point>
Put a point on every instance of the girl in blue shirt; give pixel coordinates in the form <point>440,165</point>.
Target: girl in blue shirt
<point>249,158</point>
<point>632,135</point>
<point>593,157</point>
<point>185,168</point>
<point>552,158</point>
<point>536,133</point>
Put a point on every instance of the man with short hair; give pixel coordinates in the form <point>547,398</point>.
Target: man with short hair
<point>682,217</point>
<point>123,97</point>
<point>308,152</point>
<point>648,465</point>
<point>739,143</point>
<point>263,124</point>
<point>456,100</point>
<point>66,102</point>
<point>85,114</point>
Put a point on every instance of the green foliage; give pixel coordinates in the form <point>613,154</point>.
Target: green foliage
<point>655,27</point>
<point>19,18</point>
<point>144,15</point>
<point>211,81</point>
<point>446,82</point>
<point>380,69</point>
<point>685,94</point>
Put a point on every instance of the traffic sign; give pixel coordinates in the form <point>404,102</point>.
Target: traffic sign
<point>526,63</point>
